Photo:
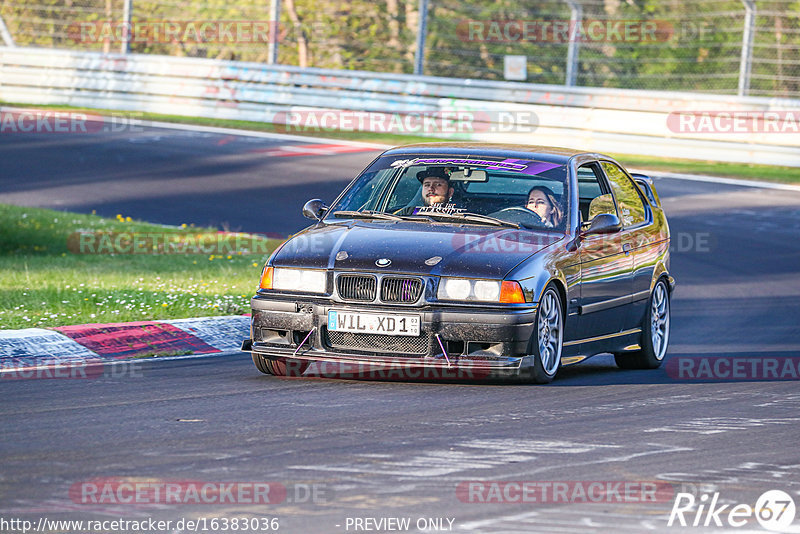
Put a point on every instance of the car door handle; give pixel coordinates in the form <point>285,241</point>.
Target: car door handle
<point>626,248</point>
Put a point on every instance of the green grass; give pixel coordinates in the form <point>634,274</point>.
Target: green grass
<point>44,284</point>
<point>771,173</point>
<point>767,173</point>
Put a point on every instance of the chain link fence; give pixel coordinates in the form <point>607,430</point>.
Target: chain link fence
<point>715,46</point>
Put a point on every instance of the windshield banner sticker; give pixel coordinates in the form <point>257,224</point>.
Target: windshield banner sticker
<point>474,162</point>
<point>533,167</point>
<point>518,165</point>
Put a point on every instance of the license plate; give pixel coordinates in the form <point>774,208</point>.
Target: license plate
<point>373,323</point>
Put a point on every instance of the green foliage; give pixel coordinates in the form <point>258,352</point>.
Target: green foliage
<point>699,50</point>
<point>464,43</point>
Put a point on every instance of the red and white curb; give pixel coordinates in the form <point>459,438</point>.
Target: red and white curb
<point>118,341</point>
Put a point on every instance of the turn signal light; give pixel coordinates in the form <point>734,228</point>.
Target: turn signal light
<point>266,278</point>
<point>511,292</point>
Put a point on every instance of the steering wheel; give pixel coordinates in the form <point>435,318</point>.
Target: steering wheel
<point>519,210</point>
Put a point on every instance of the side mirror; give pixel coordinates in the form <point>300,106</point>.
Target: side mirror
<point>314,209</point>
<point>604,223</point>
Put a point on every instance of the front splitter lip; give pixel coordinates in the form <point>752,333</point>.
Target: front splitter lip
<point>439,362</point>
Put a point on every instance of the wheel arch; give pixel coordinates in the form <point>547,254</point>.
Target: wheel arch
<point>557,280</point>
<point>562,294</point>
<point>661,272</point>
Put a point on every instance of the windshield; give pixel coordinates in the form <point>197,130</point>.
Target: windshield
<point>523,193</point>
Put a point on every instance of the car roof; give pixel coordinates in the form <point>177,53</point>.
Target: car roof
<point>473,149</point>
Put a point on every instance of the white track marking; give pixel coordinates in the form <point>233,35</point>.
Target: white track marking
<point>261,135</point>
<point>717,180</point>
<point>719,425</point>
<point>484,454</point>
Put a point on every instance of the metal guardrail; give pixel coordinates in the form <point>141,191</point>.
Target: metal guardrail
<point>605,120</point>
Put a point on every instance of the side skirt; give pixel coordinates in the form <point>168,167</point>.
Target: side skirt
<point>580,349</point>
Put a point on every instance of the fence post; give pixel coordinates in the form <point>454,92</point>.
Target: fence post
<point>274,30</point>
<point>419,55</point>
<point>5,34</point>
<point>127,9</point>
<point>747,46</point>
<point>573,48</point>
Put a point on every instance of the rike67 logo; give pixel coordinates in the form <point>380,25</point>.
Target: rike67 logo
<point>774,510</point>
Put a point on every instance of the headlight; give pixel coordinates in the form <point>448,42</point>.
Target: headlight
<point>487,290</point>
<point>506,291</point>
<point>463,289</point>
<point>300,280</point>
<point>455,289</point>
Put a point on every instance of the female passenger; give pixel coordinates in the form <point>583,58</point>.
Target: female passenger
<point>542,201</point>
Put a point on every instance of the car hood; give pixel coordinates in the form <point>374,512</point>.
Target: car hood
<point>440,250</point>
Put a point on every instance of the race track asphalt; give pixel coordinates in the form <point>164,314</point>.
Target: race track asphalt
<point>395,448</point>
<point>175,177</point>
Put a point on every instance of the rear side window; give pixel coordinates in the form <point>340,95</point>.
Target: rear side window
<point>631,207</point>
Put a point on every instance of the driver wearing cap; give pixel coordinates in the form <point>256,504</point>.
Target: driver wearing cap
<point>436,189</point>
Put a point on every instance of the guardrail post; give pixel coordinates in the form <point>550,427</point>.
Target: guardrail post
<point>274,23</point>
<point>5,34</point>
<point>575,17</point>
<point>127,9</point>
<point>747,46</point>
<point>419,55</point>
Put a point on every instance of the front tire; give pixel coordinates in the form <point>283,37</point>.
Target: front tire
<point>279,367</point>
<point>655,332</point>
<point>547,341</point>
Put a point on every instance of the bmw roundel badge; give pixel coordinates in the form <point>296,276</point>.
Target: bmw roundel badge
<point>383,262</point>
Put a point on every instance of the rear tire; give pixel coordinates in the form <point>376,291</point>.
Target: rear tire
<point>655,332</point>
<point>282,367</point>
<point>548,339</point>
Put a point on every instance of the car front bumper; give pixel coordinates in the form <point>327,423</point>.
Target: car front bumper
<point>480,339</point>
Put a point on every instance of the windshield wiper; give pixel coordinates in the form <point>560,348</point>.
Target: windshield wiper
<point>472,217</point>
<point>367,214</point>
<point>427,216</point>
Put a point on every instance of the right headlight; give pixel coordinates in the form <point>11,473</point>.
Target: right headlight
<point>505,291</point>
